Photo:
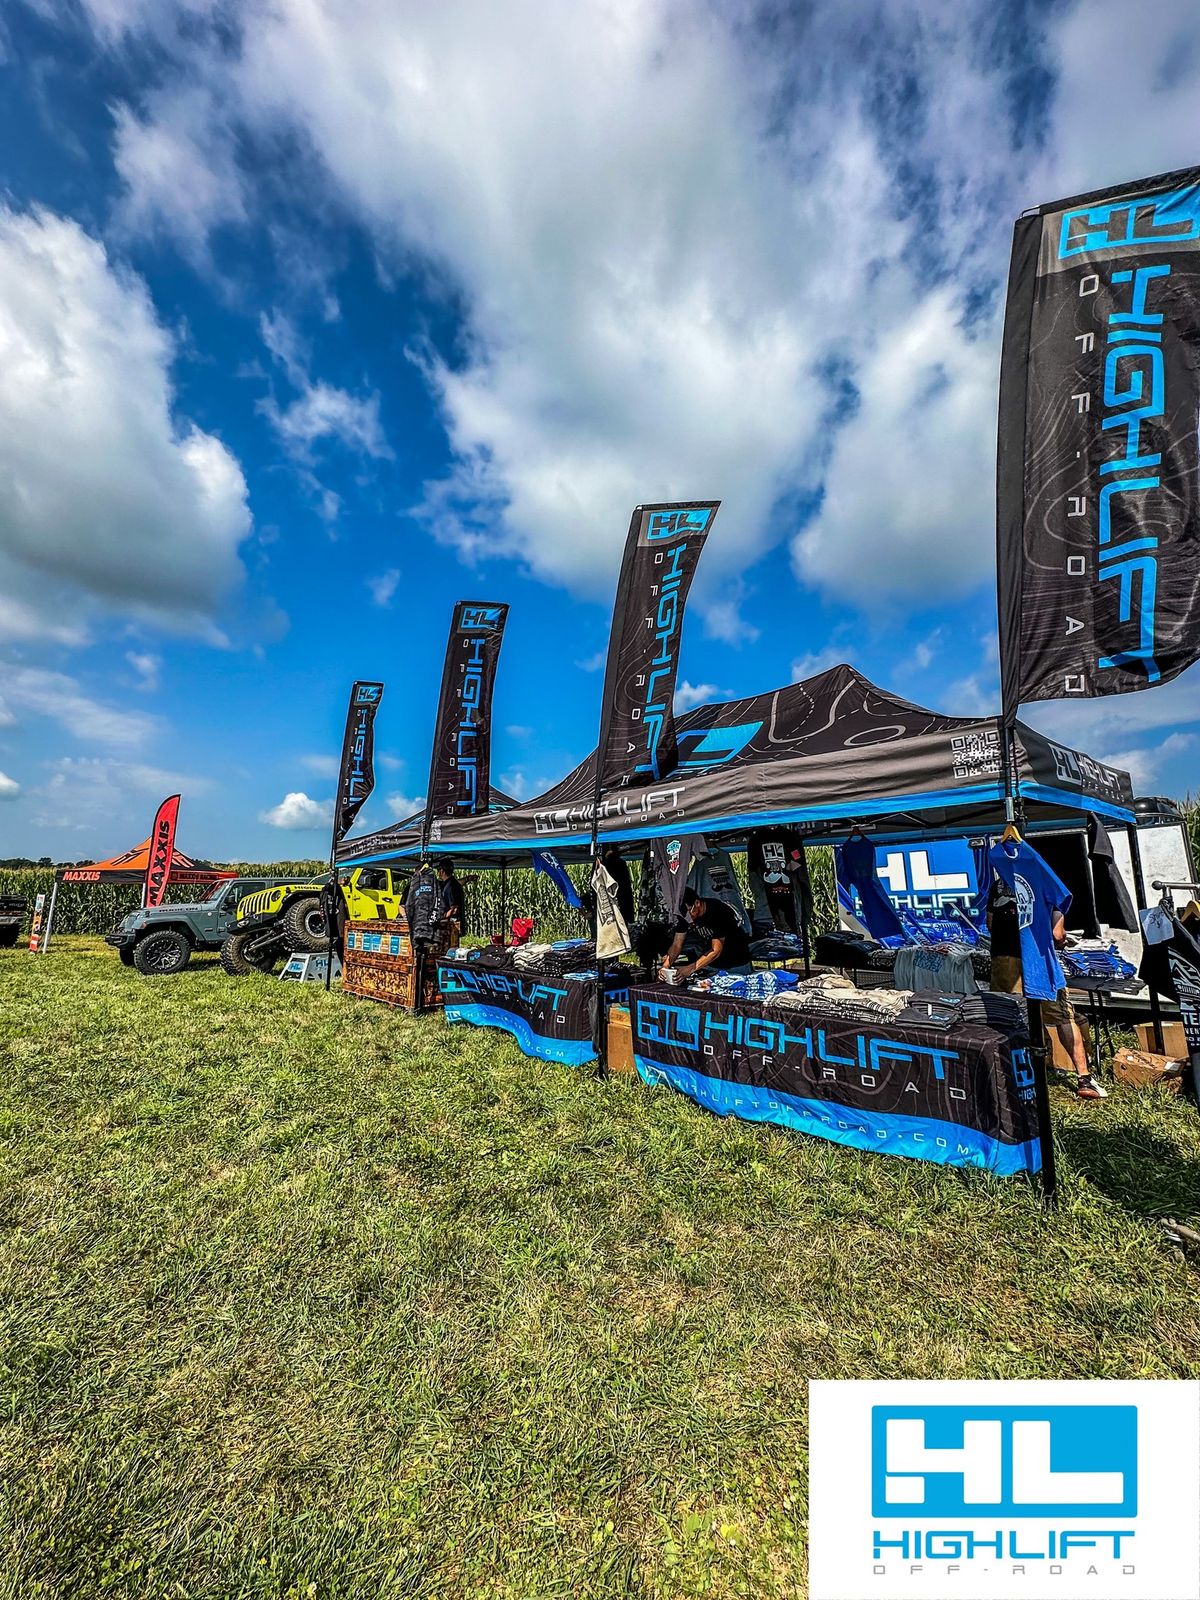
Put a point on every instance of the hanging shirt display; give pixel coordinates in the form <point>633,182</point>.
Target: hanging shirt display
<point>612,935</point>
<point>672,858</point>
<point>778,869</point>
<point>1039,895</point>
<point>422,905</point>
<point>1171,967</point>
<point>713,878</point>
<point>856,869</point>
<point>1113,904</point>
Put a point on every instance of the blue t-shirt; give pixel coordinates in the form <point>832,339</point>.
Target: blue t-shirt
<point>1039,894</point>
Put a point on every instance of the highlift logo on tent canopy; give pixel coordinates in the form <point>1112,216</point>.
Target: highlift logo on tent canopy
<point>985,1490</point>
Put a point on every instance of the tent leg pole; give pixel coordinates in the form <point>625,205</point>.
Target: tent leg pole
<point>44,941</point>
<point>504,899</point>
<point>1139,884</point>
<point>1041,1090</point>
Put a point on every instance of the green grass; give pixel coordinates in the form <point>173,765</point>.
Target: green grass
<point>300,1297</point>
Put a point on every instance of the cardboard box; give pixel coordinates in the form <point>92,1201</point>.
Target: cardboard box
<point>1056,1056</point>
<point>620,1040</point>
<point>1174,1044</point>
<point>1137,1069</point>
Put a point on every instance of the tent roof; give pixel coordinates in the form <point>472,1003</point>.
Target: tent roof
<point>130,867</point>
<point>820,756</point>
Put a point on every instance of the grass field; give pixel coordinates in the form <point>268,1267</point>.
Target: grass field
<point>304,1298</point>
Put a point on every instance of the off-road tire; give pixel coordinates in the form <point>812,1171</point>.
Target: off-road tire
<point>304,926</point>
<point>8,935</point>
<point>237,963</point>
<point>125,952</point>
<point>162,954</point>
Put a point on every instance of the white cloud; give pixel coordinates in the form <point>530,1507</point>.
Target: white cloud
<point>516,730</point>
<point>33,692</point>
<point>103,492</point>
<point>103,792</point>
<point>178,164</point>
<point>296,811</point>
<point>323,766</point>
<point>689,695</point>
<point>815,662</point>
<point>383,588</point>
<point>9,787</point>
<point>594,663</point>
<point>392,763</point>
<point>147,666</point>
<point>1144,765</point>
<point>403,806</point>
<point>760,262</point>
<point>320,410</point>
<point>1086,724</point>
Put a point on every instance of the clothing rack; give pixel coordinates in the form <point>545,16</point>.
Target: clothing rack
<point>1159,884</point>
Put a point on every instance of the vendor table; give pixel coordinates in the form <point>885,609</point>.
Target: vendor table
<point>1098,991</point>
<point>550,1018</point>
<point>962,1098</point>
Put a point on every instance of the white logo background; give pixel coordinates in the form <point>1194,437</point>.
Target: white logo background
<point>1164,1552</point>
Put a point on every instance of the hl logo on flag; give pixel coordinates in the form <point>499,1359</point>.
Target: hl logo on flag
<point>1012,1461</point>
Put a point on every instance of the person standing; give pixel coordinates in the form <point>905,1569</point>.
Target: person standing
<point>453,913</point>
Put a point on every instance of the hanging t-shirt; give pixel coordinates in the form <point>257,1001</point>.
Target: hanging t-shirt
<point>612,936</point>
<point>672,858</point>
<point>856,868</point>
<point>1039,894</point>
<point>713,878</point>
<point>778,869</point>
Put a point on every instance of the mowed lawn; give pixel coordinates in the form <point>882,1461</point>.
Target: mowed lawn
<point>302,1297</point>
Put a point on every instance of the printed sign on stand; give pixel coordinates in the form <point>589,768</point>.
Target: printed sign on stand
<point>35,927</point>
<point>302,968</point>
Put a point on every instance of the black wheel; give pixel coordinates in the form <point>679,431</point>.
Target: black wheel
<point>239,961</point>
<point>160,954</point>
<point>126,954</point>
<point>304,925</point>
<point>8,935</point>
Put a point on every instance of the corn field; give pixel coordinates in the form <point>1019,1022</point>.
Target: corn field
<point>95,908</point>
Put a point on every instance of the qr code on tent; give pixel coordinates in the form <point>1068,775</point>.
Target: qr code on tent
<point>976,755</point>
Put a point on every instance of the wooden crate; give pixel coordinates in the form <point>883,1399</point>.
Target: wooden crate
<point>380,965</point>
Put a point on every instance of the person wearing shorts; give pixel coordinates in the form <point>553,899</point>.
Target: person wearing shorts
<point>1008,978</point>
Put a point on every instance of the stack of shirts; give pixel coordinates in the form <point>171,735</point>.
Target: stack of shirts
<point>933,1008</point>
<point>493,957</point>
<point>946,967</point>
<point>777,947</point>
<point>1090,958</point>
<point>834,996</point>
<point>763,986</point>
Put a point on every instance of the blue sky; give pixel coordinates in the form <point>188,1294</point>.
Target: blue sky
<point>317,315</point>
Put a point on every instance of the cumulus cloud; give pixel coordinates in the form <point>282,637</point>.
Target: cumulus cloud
<point>815,662</point>
<point>758,260</point>
<point>298,812</point>
<point>323,766</point>
<point>103,491</point>
<point>403,806</point>
<point>9,787</point>
<point>688,695</point>
<point>34,693</point>
<point>1144,764</point>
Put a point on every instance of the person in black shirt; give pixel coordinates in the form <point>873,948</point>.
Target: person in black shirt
<point>454,903</point>
<point>720,927</point>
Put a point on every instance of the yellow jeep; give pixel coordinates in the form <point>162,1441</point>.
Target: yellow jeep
<point>288,917</point>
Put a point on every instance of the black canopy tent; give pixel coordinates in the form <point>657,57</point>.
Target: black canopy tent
<point>822,756</point>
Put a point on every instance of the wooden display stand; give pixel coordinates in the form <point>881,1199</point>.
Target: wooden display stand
<point>382,965</point>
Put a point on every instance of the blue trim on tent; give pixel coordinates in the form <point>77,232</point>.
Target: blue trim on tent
<point>919,1138</point>
<point>568,1052</point>
<point>931,800</point>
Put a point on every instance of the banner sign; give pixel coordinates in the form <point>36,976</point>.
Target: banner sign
<point>964,1098</point>
<point>551,1019</point>
<point>637,727</point>
<point>35,927</point>
<point>1098,528</point>
<point>460,768</point>
<point>161,853</point>
<point>357,775</point>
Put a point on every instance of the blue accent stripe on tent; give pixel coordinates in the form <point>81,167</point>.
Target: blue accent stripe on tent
<point>568,1052</point>
<point>921,1138</point>
<point>1077,802</point>
<point>931,800</point>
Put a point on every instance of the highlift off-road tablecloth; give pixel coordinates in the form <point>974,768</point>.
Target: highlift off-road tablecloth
<point>550,1017</point>
<point>962,1097</point>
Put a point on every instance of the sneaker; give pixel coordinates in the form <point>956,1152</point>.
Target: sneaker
<point>1088,1089</point>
